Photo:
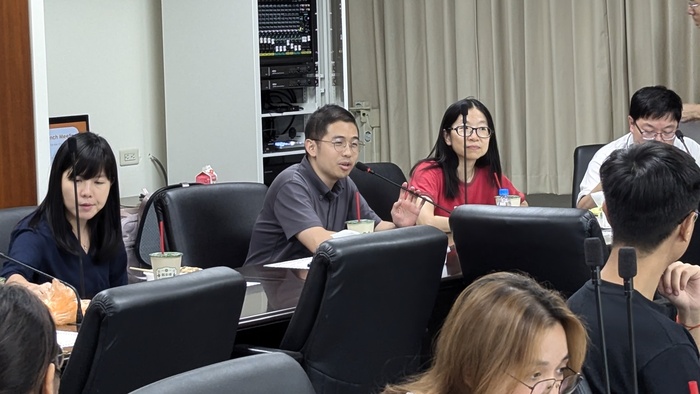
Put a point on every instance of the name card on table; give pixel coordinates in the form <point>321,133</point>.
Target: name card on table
<point>298,264</point>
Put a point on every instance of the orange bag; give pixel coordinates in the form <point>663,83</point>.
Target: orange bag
<point>61,302</point>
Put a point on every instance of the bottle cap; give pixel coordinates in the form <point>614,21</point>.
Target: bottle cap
<point>502,192</point>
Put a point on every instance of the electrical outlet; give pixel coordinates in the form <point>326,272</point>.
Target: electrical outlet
<point>128,157</point>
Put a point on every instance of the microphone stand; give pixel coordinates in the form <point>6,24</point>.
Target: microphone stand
<point>680,136</point>
<point>627,269</point>
<point>79,312</point>
<point>72,147</point>
<point>593,252</point>
<point>364,168</point>
<point>463,109</point>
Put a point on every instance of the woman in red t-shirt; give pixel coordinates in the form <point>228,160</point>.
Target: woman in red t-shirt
<point>441,176</point>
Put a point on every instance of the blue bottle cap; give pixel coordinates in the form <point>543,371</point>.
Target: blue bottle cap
<point>503,192</point>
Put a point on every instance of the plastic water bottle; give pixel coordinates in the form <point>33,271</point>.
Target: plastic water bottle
<point>503,200</point>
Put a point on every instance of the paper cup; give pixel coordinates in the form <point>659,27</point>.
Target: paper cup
<point>361,226</point>
<point>513,198</point>
<point>165,265</point>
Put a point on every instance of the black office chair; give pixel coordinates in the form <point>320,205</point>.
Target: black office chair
<point>148,233</point>
<point>137,334</point>
<point>211,225</point>
<point>379,194</point>
<point>583,387</point>
<point>273,373</point>
<point>582,156</point>
<point>545,242</point>
<point>9,217</point>
<point>365,307</point>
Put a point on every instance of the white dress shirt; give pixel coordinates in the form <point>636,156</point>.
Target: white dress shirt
<point>592,177</point>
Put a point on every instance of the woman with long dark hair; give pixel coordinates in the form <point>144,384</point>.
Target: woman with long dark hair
<point>47,239</point>
<point>441,176</point>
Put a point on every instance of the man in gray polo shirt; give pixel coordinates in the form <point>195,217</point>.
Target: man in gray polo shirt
<point>310,201</point>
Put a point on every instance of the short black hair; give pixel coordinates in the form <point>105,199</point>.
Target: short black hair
<point>649,189</point>
<point>656,102</point>
<point>317,125</point>
<point>27,340</point>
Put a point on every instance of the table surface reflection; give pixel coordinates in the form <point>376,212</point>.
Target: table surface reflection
<point>273,293</point>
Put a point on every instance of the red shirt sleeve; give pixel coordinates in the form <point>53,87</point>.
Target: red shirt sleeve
<point>428,180</point>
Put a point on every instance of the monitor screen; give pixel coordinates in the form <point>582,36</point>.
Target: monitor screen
<point>62,127</point>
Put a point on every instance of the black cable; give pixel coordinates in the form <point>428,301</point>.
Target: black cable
<point>160,167</point>
<point>464,110</point>
<point>291,122</point>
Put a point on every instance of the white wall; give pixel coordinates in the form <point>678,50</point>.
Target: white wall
<point>40,96</point>
<point>212,89</point>
<point>104,58</point>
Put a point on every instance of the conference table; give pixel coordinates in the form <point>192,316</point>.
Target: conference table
<point>273,293</point>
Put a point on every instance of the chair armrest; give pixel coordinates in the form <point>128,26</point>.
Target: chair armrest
<point>243,350</point>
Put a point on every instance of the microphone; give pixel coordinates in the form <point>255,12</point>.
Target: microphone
<point>681,137</point>
<point>363,167</point>
<point>158,204</point>
<point>593,251</point>
<point>79,312</point>
<point>464,110</point>
<point>73,149</point>
<point>627,269</point>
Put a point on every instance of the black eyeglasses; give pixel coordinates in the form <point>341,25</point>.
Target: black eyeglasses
<point>567,385</point>
<point>59,360</point>
<point>651,135</point>
<point>462,130</point>
<point>340,145</point>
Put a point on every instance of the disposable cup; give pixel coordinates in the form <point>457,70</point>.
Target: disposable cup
<point>513,198</point>
<point>166,265</point>
<point>361,226</point>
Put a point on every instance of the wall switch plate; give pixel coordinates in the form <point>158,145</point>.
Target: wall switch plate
<point>128,157</point>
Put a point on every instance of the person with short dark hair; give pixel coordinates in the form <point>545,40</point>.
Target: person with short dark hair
<point>310,201</point>
<point>504,334</point>
<point>652,192</point>
<point>441,176</point>
<point>29,353</point>
<point>47,239</point>
<point>654,115</point>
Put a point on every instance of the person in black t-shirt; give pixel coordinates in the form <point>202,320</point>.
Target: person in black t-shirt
<point>652,192</point>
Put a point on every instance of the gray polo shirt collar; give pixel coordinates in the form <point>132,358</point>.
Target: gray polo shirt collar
<point>320,188</point>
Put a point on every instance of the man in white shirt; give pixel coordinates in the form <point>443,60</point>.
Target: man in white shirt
<point>655,112</point>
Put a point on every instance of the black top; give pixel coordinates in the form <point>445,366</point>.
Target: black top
<point>37,247</point>
<point>667,356</point>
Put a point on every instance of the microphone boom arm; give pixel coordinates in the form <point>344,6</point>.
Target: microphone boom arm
<point>73,148</point>
<point>79,312</point>
<point>627,270</point>
<point>364,168</point>
<point>593,252</point>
